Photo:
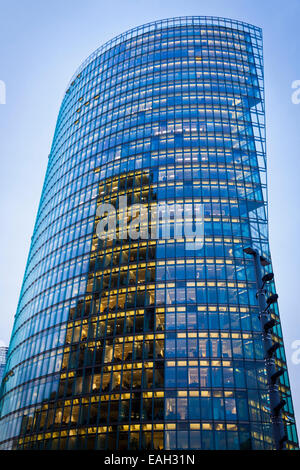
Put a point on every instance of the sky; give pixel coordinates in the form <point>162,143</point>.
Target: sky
<point>41,45</point>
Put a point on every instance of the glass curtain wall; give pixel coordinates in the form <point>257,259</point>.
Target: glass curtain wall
<point>146,343</point>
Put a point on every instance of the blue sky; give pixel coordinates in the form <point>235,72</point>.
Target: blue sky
<point>41,45</point>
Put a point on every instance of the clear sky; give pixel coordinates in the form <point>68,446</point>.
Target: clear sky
<point>41,45</point>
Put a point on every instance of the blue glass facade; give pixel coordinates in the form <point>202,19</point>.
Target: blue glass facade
<point>142,344</point>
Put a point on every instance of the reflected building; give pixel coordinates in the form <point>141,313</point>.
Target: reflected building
<point>148,343</point>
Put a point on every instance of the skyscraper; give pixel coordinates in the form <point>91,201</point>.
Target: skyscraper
<point>124,343</point>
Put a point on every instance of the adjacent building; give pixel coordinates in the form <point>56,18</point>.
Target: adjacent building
<point>3,354</point>
<point>150,343</point>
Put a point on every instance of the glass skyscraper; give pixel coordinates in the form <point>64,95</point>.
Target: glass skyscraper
<point>148,343</point>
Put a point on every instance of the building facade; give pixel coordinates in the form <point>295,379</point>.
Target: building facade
<point>149,343</point>
<point>3,354</point>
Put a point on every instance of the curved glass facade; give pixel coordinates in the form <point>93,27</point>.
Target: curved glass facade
<point>142,344</point>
